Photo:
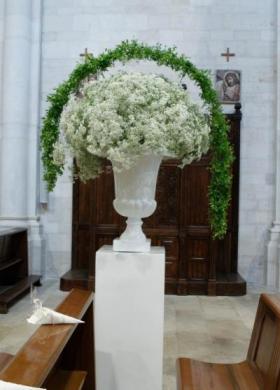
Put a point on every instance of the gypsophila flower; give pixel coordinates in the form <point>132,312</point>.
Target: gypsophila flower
<point>125,116</point>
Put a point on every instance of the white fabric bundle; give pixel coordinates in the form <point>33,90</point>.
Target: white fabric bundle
<point>44,315</point>
<point>14,386</point>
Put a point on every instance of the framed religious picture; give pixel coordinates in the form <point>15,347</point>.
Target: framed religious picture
<point>228,84</point>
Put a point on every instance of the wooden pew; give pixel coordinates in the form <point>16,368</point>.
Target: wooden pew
<point>58,357</point>
<point>261,369</point>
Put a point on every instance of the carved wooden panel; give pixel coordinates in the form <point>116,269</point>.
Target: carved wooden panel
<point>105,215</point>
<point>168,207</point>
<point>198,259</point>
<point>194,262</point>
<point>196,181</point>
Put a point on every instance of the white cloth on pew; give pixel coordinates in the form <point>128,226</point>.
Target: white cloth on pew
<point>13,386</point>
<point>43,316</point>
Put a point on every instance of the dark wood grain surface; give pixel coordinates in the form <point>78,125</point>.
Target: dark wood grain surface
<point>197,375</point>
<point>5,358</point>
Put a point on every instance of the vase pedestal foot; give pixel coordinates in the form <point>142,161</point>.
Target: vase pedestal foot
<point>133,238</point>
<point>129,317</point>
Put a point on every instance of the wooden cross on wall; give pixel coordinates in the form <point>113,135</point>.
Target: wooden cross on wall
<point>86,54</point>
<point>87,57</point>
<point>228,54</point>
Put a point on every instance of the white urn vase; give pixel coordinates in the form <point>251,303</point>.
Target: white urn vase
<point>135,199</point>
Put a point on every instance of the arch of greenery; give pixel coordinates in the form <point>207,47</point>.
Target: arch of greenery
<point>221,151</point>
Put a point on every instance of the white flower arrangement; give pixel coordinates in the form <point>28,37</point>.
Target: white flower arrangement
<point>128,115</point>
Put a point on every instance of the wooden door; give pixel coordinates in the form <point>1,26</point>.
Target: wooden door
<point>195,264</point>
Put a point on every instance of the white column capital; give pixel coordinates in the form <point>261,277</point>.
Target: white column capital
<point>275,228</point>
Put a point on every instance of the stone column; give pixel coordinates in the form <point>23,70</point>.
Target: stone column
<point>15,109</point>
<point>273,247</point>
<point>20,120</point>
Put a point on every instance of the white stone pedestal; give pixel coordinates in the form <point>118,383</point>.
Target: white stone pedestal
<point>129,315</point>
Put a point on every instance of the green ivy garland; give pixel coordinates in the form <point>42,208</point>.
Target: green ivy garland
<point>221,151</point>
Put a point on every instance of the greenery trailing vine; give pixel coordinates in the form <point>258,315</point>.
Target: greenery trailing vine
<point>221,151</point>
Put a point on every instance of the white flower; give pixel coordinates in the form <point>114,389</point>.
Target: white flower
<point>59,154</point>
<point>128,115</point>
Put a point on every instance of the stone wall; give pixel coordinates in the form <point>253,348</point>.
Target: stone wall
<point>202,29</point>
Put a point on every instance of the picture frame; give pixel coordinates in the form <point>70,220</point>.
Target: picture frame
<point>228,85</point>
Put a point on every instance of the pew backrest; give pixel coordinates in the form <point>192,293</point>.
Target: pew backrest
<point>264,349</point>
<point>55,350</point>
